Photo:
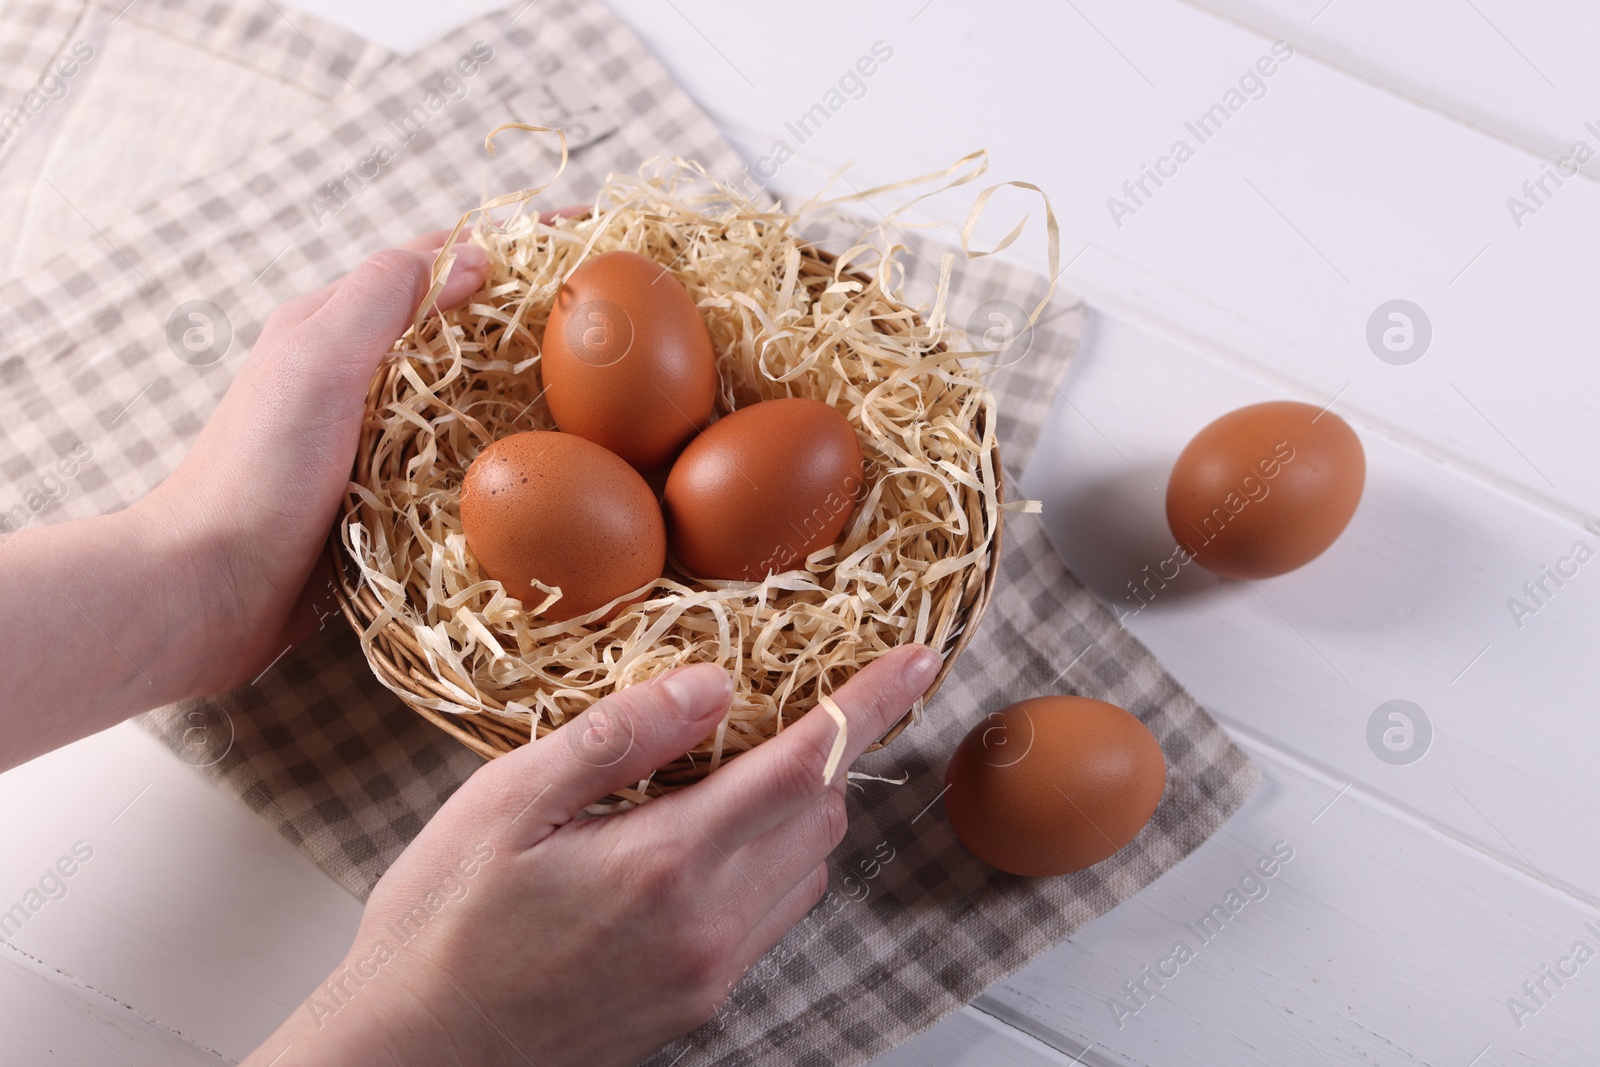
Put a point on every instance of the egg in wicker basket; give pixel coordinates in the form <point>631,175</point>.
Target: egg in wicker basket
<point>916,560</point>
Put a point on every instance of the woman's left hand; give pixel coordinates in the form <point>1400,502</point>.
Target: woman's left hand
<point>256,496</point>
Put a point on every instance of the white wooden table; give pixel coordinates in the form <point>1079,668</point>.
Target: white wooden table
<point>1375,164</point>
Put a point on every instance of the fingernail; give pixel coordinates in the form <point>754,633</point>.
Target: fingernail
<point>697,691</point>
<point>470,257</point>
<point>920,667</point>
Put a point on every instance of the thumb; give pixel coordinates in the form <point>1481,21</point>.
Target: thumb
<point>284,438</point>
<point>277,453</point>
<point>324,364</point>
<point>615,743</point>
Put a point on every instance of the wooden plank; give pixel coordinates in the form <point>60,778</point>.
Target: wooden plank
<point>1519,71</point>
<point>1378,942</point>
<point>51,1019</point>
<point>972,1038</point>
<point>190,909</point>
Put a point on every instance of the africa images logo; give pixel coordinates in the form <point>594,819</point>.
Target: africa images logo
<point>51,886</point>
<point>449,87</point>
<point>51,86</point>
<point>599,332</point>
<point>1251,85</point>
<point>1251,887</point>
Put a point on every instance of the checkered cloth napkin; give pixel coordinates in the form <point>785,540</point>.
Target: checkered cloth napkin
<point>107,104</point>
<point>914,926</point>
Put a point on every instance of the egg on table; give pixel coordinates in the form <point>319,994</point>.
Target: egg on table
<point>1052,785</point>
<point>762,488</point>
<point>627,361</point>
<point>1265,489</point>
<point>557,509</point>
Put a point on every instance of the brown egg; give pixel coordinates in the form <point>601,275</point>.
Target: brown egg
<point>763,488</point>
<point>1265,489</point>
<point>627,361</point>
<point>1052,785</point>
<point>554,507</point>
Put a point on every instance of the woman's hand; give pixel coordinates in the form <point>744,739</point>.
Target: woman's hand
<point>203,583</point>
<point>512,931</point>
<point>255,497</point>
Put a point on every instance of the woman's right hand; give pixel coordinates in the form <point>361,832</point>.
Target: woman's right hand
<point>514,931</point>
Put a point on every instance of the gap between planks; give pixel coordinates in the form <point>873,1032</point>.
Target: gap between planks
<point>1313,48</point>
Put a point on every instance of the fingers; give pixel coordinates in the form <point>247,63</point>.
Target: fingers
<point>570,211</point>
<point>615,743</point>
<point>758,876</point>
<point>316,604</point>
<point>780,778</point>
<point>313,609</point>
<point>293,312</point>
<point>771,927</point>
<point>466,276</point>
<point>324,363</point>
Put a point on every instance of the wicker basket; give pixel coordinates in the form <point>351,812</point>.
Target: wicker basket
<point>399,661</point>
